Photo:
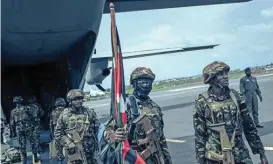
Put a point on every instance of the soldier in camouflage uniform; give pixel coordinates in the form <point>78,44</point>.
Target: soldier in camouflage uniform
<point>37,112</point>
<point>75,117</point>
<point>218,105</point>
<point>141,79</point>
<point>21,119</point>
<point>60,105</point>
<point>250,89</point>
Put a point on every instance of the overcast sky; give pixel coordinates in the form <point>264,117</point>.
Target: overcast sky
<point>245,32</point>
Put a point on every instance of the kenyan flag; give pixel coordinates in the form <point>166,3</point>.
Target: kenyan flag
<point>125,155</point>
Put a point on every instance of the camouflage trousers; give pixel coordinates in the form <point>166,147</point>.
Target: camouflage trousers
<point>90,160</point>
<point>89,146</point>
<point>245,161</point>
<point>154,159</point>
<point>59,151</point>
<point>36,134</point>
<point>23,136</point>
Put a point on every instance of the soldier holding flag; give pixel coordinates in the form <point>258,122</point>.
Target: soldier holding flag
<point>142,79</point>
<point>146,142</point>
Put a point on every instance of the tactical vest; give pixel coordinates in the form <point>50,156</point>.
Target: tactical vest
<point>151,110</point>
<point>56,114</point>
<point>20,114</point>
<point>227,111</point>
<point>80,122</point>
<point>36,109</point>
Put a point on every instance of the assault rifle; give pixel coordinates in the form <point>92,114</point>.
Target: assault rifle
<point>79,155</point>
<point>226,157</point>
<point>77,140</point>
<point>151,141</point>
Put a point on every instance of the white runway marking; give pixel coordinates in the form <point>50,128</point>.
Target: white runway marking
<point>188,88</point>
<point>95,106</point>
<point>268,148</point>
<point>175,141</point>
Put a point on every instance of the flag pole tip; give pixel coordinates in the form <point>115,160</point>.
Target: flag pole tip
<point>111,5</point>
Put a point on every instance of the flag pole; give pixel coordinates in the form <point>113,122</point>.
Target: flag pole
<point>125,154</point>
<point>116,71</point>
<point>113,29</point>
<point>115,60</point>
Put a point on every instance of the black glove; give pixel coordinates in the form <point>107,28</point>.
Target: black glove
<point>168,160</point>
<point>263,159</point>
<point>261,98</point>
<point>202,161</point>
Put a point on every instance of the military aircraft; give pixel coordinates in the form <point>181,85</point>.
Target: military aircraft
<point>47,46</point>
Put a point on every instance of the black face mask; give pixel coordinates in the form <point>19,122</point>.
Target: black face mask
<point>142,88</point>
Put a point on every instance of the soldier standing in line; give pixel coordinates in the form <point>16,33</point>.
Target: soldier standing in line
<point>222,105</point>
<point>37,112</point>
<point>60,105</point>
<point>250,89</point>
<point>141,79</point>
<point>77,130</point>
<point>21,120</point>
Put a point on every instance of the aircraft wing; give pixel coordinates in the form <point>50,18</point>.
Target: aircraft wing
<point>138,5</point>
<point>154,52</point>
<point>99,70</point>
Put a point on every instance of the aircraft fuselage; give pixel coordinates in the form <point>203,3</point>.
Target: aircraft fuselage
<point>46,47</point>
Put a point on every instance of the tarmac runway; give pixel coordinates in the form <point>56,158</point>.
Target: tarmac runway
<point>177,107</point>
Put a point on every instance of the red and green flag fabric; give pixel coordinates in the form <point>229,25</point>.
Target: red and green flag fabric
<point>125,155</point>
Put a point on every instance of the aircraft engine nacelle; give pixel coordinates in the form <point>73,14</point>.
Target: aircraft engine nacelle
<point>98,70</point>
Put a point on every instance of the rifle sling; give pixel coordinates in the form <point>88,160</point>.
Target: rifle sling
<point>83,127</point>
<point>234,99</point>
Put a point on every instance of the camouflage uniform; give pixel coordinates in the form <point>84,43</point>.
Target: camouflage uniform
<point>71,118</point>
<point>250,88</point>
<point>60,105</point>
<point>37,112</point>
<point>210,109</point>
<point>21,117</point>
<point>155,115</point>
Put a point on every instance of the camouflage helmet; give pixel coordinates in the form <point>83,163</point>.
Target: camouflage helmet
<point>32,99</point>
<point>18,99</point>
<point>142,72</point>
<point>74,93</point>
<point>212,69</point>
<point>60,102</point>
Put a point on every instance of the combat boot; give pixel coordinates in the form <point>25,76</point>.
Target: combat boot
<point>24,160</point>
<point>36,158</point>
